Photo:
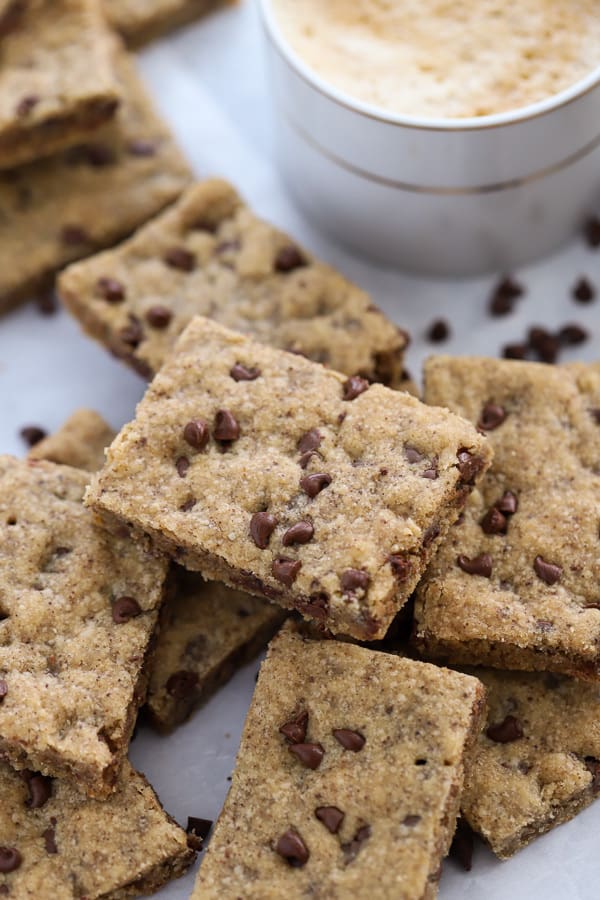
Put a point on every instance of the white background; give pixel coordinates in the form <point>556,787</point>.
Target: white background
<point>210,84</point>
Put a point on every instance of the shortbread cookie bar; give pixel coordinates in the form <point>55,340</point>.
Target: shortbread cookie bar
<point>348,777</point>
<point>85,198</point>
<point>78,608</point>
<point>272,474</point>
<point>140,21</point>
<point>209,255</point>
<point>57,79</point>
<point>517,583</point>
<point>80,442</point>
<point>57,843</point>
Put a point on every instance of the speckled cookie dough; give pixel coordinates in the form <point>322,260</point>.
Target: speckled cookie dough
<point>275,475</point>
<point>209,255</point>
<point>80,442</point>
<point>140,21</point>
<point>517,583</point>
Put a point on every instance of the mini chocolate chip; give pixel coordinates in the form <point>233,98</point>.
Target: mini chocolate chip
<point>572,335</point>
<point>430,534</point>
<point>159,316</point>
<point>593,767</point>
<point>289,258</point>
<point>469,465</point>
<point>438,331</point>
<point>226,427</point>
<point>584,291</point>
<point>141,147</point>
<point>32,435</point>
<point>262,526</point>
<point>479,565</point>
<point>508,503</point>
<point>26,105</point>
<point>74,235</point>
<point>182,465</point>
<point>592,232</point>
<point>132,334</point>
<point>506,731</point>
<point>286,570</point>
<point>12,16</point>
<point>431,472</point>
<point>300,533</point>
<point>180,258</point>
<point>545,344</point>
<point>110,289</point>
<point>462,845</point>
<point>182,684</point>
<point>354,580</point>
<point>124,609</point>
<point>96,155</point>
<point>189,504</point>
<point>353,387</point>
<point>310,755</point>
<point>351,849</point>
<point>315,483</point>
<point>503,297</point>
<point>10,859</point>
<point>350,740</point>
<point>197,831</point>
<point>412,455</point>
<point>46,302</point>
<point>401,566</point>
<point>196,434</point>
<point>492,415</point>
<point>494,522</point>
<point>411,820</point>
<point>293,849</point>
<point>310,441</point>
<point>3,689</point>
<point>244,373</point>
<point>595,414</point>
<point>40,789</point>
<point>295,730</point>
<point>514,351</point>
<point>50,841</point>
<point>548,572</point>
<point>331,817</point>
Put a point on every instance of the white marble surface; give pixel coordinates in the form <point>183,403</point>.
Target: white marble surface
<point>210,84</point>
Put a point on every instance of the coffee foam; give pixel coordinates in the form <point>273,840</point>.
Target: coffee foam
<point>445,58</point>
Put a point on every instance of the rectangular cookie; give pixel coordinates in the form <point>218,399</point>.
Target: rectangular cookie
<point>80,442</point>
<point>57,81</point>
<point>209,255</point>
<point>348,777</point>
<point>78,609</point>
<point>85,198</point>
<point>537,762</point>
<point>275,475</point>
<point>517,583</point>
<point>57,843</point>
<point>140,21</point>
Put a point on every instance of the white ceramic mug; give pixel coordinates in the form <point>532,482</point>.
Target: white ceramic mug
<point>441,196</point>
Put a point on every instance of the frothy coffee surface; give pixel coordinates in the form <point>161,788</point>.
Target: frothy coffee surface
<point>445,58</point>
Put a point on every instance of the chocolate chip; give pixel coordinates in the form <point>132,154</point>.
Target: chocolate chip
<point>353,387</point>
<point>46,302</point>
<point>469,465</point>
<point>412,455</point>
<point>3,689</point>
<point>401,566</point>
<point>310,441</point>
<point>12,16</point>
<point>40,789</point>
<point>514,351</point>
<point>182,684</point>
<point>110,289</point>
<point>96,155</point>
<point>310,755</point>
<point>506,731</point>
<point>180,258</point>
<point>32,435</point>
<point>584,291</point>
<point>289,258</point>
<point>244,373</point>
<point>74,235</point>
<point>508,503</point>
<point>595,414</point>
<point>592,232</point>
<point>432,471</point>
<point>293,849</point>
<point>286,570</point>
<point>494,522</point>
<point>504,295</point>
<point>124,609</point>
<point>331,817</point>
<point>50,841</point>
<point>438,331</point>
<point>197,831</point>
<point>226,427</point>
<point>492,416</point>
<point>142,148</point>
<point>411,820</point>
<point>354,580</point>
<point>479,565</point>
<point>593,767</point>
<point>300,533</point>
<point>196,434</point>
<point>350,740</point>
<point>159,316</point>
<point>10,859</point>
<point>132,334</point>
<point>295,730</point>
<point>548,572</point>
<point>572,335</point>
<point>314,484</point>
<point>462,845</point>
<point>430,534</point>
<point>262,526</point>
<point>351,849</point>
<point>26,105</point>
<point>182,465</point>
<point>545,344</point>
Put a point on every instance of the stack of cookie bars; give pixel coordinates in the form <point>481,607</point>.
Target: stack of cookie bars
<point>279,478</point>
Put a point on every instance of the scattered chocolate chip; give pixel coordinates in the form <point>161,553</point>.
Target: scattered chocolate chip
<point>350,740</point>
<point>197,831</point>
<point>351,849</point>
<point>438,331</point>
<point>354,580</point>
<point>331,817</point>
<point>182,465</point>
<point>353,387</point>
<point>40,789</point>
<point>262,526</point>
<point>182,684</point>
<point>10,859</point>
<point>50,841</point>
<point>293,849</point>
<point>74,235</point>
<point>494,522</point>
<point>584,291</point>
<point>401,566</point>
<point>412,455</point>
<point>96,155</point>
<point>592,232</point>
<point>289,258</point>
<point>286,570</point>
<point>469,465</point>
<point>593,767</point>
<point>545,344</point>
<point>508,503</point>
<point>110,289</point>
<point>140,147</point>
<point>26,105</point>
<point>32,435</point>
<point>572,335</point>
<point>310,755</point>
<point>462,845</point>
<point>180,258</point>
<point>506,731</point>
<point>12,16</point>
<point>3,689</point>
<point>159,316</point>
<point>300,533</point>
<point>196,434</point>
<point>492,416</point>
<point>132,334</point>
<point>432,471</point>
<point>310,441</point>
<point>244,373</point>
<point>548,572</point>
<point>411,820</point>
<point>315,483</point>
<point>46,302</point>
<point>479,565</point>
<point>430,534</point>
<point>504,295</point>
<point>514,351</point>
<point>226,427</point>
<point>124,609</point>
<point>295,730</point>
<point>189,504</point>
